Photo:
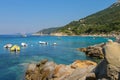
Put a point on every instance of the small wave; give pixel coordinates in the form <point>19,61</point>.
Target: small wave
<point>23,64</point>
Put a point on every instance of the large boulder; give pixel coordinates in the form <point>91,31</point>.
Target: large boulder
<point>45,70</point>
<point>118,38</point>
<point>112,53</point>
<point>109,68</point>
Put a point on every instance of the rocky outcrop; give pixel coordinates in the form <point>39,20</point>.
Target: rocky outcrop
<point>117,38</point>
<point>109,68</point>
<point>46,70</point>
<point>94,51</point>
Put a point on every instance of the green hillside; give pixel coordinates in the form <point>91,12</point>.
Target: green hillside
<point>47,31</point>
<point>103,22</point>
<point>106,21</point>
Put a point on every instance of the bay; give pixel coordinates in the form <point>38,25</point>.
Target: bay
<point>13,65</point>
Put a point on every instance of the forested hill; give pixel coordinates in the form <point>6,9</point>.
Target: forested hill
<point>103,22</point>
<point>47,31</point>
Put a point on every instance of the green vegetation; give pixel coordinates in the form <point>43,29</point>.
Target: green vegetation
<point>47,31</point>
<point>104,22</point>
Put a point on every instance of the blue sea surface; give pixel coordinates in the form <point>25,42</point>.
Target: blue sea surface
<point>13,65</point>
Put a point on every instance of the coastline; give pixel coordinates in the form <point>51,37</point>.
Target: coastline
<point>35,52</point>
<point>108,68</point>
<point>84,35</point>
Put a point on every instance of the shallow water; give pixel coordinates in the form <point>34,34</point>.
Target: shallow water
<point>13,65</point>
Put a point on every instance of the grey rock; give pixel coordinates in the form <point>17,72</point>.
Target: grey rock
<point>109,68</point>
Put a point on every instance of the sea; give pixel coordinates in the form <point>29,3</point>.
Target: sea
<point>14,64</point>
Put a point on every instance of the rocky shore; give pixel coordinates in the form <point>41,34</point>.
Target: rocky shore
<point>94,51</point>
<point>84,35</point>
<point>107,69</point>
<point>46,70</point>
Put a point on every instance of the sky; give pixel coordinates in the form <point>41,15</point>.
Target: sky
<point>29,16</point>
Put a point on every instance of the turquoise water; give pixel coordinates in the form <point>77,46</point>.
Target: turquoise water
<point>13,65</point>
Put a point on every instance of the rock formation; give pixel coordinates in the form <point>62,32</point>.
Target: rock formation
<point>118,38</point>
<point>46,70</point>
<point>109,68</point>
<point>94,51</point>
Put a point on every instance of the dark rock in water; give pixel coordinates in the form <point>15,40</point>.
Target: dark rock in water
<point>51,71</point>
<point>109,68</point>
<point>83,49</point>
<point>94,51</point>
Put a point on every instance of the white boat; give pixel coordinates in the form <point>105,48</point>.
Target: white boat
<point>42,42</point>
<point>54,44</point>
<point>23,44</point>
<point>8,46</point>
